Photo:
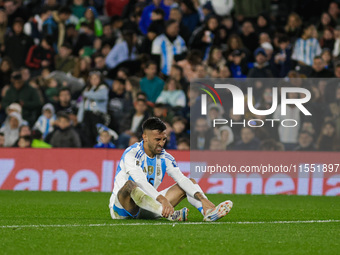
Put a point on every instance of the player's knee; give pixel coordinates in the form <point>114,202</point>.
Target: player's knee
<point>193,180</point>
<point>180,191</point>
<point>128,187</point>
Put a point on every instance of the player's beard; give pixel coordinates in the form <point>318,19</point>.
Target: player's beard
<point>154,150</point>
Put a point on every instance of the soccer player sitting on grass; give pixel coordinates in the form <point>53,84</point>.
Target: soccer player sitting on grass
<point>141,170</point>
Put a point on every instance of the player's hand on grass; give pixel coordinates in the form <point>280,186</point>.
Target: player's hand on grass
<point>168,209</point>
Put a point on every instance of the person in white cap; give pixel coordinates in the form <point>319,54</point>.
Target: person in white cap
<point>11,129</point>
<point>268,49</point>
<point>15,107</point>
<point>46,120</point>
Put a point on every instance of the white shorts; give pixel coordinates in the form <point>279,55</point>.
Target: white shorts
<point>118,211</point>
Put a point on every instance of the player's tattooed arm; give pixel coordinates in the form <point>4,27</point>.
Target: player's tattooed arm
<point>167,207</point>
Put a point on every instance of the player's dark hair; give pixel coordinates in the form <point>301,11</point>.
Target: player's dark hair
<point>153,123</point>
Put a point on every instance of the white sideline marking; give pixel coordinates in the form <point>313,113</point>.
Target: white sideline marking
<point>167,223</point>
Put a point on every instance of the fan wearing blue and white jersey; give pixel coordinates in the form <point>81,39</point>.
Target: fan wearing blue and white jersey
<point>169,47</point>
<point>307,47</point>
<point>140,172</point>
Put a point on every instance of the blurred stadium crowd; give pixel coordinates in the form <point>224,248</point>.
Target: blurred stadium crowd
<point>87,73</point>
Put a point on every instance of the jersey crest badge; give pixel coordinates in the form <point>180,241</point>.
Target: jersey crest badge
<point>150,170</point>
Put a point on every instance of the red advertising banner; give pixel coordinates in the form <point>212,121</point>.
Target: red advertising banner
<point>94,170</point>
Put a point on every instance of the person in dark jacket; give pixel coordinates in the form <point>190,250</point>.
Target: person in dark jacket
<point>319,70</point>
<point>145,19</point>
<point>191,17</point>
<point>22,93</point>
<point>15,10</point>
<point>65,136</point>
<point>206,36</point>
<point>248,36</point>
<point>264,24</point>
<point>283,58</point>
<point>132,123</point>
<point>305,142</point>
<point>248,140</point>
<point>64,61</point>
<point>34,26</point>
<point>6,69</point>
<point>41,56</point>
<point>202,134</point>
<point>261,67</point>
<point>184,32</point>
<point>64,101</point>
<point>238,66</point>
<point>17,44</point>
<point>55,25</point>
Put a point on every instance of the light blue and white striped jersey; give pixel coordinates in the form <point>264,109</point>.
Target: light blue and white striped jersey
<point>45,125</point>
<point>167,50</point>
<point>146,172</point>
<point>306,50</point>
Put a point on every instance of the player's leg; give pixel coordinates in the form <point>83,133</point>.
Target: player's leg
<point>212,214</point>
<point>175,194</point>
<point>125,199</point>
<point>131,197</point>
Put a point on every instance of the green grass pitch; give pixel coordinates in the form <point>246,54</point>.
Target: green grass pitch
<point>80,223</point>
